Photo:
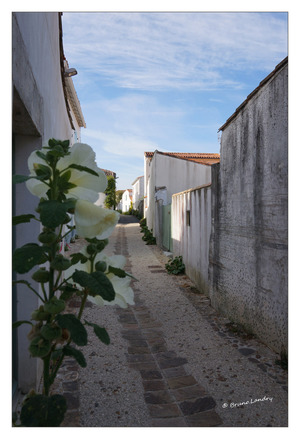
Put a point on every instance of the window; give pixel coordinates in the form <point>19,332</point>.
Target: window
<point>188,217</point>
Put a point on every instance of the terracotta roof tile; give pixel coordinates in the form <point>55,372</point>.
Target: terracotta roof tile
<point>198,157</point>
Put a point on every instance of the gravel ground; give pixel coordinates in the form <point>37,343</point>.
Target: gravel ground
<point>111,394</point>
<point>234,370</point>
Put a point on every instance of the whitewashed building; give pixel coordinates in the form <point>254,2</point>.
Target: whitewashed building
<point>167,174</point>
<point>126,200</point>
<point>137,192</point>
<point>45,105</point>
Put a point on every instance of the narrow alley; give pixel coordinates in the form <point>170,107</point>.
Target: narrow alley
<point>172,360</point>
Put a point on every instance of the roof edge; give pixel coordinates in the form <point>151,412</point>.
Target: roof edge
<point>192,189</point>
<point>254,92</point>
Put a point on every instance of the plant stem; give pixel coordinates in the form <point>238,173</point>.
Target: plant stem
<point>46,374</point>
<point>57,287</point>
<point>30,287</point>
<point>44,292</point>
<point>57,280</point>
<point>83,303</point>
<point>69,231</point>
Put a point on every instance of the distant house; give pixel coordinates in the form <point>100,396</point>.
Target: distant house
<point>138,194</point>
<point>44,105</point>
<point>102,196</point>
<point>167,174</point>
<point>126,200</point>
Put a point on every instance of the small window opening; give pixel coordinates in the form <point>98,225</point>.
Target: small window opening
<point>188,217</point>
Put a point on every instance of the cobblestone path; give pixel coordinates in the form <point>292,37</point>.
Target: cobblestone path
<point>172,361</point>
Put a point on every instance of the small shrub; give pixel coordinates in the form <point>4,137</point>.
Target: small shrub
<point>175,266</point>
<point>143,222</point>
<point>148,236</point>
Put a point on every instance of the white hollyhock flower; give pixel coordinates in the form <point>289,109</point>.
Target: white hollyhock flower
<point>94,221</point>
<point>87,187</point>
<point>124,293</point>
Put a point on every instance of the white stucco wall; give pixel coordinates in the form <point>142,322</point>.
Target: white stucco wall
<point>191,225</point>
<point>39,114</point>
<point>126,201</point>
<point>137,192</point>
<point>173,174</point>
<point>39,52</point>
<point>249,244</point>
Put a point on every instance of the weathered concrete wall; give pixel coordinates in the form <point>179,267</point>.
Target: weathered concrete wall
<point>191,225</point>
<point>248,252</point>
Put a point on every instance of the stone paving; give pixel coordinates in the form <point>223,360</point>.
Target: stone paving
<point>174,398</point>
<point>173,361</point>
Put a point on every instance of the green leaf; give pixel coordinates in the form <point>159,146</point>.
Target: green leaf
<point>56,151</point>
<point>70,204</point>
<point>39,347</point>
<point>26,257</point>
<point>101,333</point>
<point>52,213</point>
<point>67,291</point>
<point>65,177</point>
<point>72,352</point>
<point>84,169</point>
<point>20,178</point>
<point>63,143</point>
<point>107,291</point>
<point>86,280</point>
<point>63,182</point>
<point>43,171</point>
<point>50,332</point>
<point>54,306</point>
<point>22,219</point>
<point>21,322</point>
<point>78,257</point>
<point>97,283</point>
<point>41,155</point>
<point>117,271</point>
<point>43,411</point>
<point>52,142</point>
<point>74,326</point>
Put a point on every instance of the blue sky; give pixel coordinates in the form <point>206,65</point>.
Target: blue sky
<point>165,80</point>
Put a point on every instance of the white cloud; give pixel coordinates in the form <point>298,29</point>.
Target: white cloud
<point>131,124</point>
<point>174,50</point>
<point>120,144</point>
